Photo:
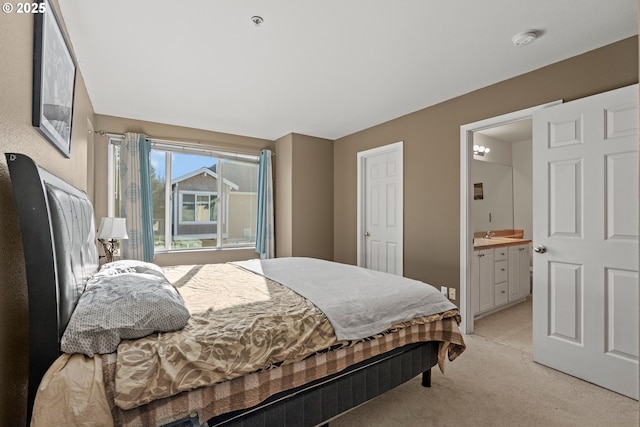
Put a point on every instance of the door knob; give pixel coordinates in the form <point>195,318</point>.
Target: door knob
<point>367,234</point>
<point>540,249</point>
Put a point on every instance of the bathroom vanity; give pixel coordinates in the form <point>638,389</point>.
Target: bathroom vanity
<point>500,273</point>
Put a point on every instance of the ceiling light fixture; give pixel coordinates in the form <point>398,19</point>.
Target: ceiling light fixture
<point>524,38</point>
<point>480,150</point>
<point>257,20</point>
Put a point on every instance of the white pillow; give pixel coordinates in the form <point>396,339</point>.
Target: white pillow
<point>119,304</point>
<point>130,266</point>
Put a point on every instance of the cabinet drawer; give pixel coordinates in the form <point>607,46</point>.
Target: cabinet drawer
<point>501,294</point>
<point>501,253</point>
<point>501,274</point>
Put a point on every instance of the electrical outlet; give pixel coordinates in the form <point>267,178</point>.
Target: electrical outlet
<point>452,294</point>
<point>444,290</point>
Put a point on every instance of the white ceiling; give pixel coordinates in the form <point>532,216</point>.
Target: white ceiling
<point>322,68</point>
<point>511,132</point>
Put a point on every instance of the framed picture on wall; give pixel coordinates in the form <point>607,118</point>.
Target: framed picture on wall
<point>54,77</point>
<point>478,192</point>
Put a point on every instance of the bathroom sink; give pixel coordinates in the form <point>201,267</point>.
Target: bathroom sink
<point>481,241</point>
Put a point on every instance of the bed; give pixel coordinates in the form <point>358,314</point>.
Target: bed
<point>310,388</point>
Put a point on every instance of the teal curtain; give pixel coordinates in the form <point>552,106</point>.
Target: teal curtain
<point>135,197</point>
<point>147,202</point>
<point>265,239</point>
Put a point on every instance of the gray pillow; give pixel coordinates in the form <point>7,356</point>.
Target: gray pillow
<point>121,304</point>
<point>130,266</point>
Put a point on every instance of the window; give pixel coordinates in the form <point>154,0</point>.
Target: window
<point>201,198</point>
<point>188,208</point>
<point>198,208</point>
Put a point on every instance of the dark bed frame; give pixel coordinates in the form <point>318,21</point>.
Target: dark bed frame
<point>58,236</point>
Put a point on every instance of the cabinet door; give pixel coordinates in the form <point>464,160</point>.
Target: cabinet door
<point>501,294</point>
<point>501,253</point>
<point>500,271</point>
<point>514,273</point>
<point>518,272</point>
<point>486,279</point>
<point>525,275</point>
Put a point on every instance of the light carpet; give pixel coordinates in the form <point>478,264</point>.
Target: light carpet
<point>494,383</point>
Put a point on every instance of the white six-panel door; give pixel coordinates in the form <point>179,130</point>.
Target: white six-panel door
<point>585,220</point>
<point>382,203</point>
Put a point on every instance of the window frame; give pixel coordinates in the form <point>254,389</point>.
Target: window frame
<point>170,147</point>
<point>182,193</point>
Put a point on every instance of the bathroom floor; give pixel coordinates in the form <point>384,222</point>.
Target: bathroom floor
<point>511,326</point>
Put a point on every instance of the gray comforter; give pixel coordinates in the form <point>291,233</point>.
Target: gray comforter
<point>358,302</point>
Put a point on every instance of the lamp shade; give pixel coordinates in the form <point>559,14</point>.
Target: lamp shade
<point>113,228</point>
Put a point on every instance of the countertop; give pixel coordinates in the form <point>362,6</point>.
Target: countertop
<point>496,242</point>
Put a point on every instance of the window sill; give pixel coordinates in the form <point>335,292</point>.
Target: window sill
<point>207,249</point>
<point>204,256</point>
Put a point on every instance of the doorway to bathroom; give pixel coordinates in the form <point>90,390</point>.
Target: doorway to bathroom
<point>502,200</point>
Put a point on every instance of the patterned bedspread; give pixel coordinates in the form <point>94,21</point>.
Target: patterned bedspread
<point>240,322</point>
<point>250,390</point>
<point>231,355</point>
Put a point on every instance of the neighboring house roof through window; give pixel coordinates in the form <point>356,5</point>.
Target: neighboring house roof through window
<point>201,171</point>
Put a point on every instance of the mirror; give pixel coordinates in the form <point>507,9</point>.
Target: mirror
<point>492,207</point>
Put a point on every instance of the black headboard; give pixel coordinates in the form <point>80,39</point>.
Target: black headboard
<point>58,237</point>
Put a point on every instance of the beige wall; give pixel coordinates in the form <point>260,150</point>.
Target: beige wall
<point>197,137</point>
<point>17,135</point>
<point>283,194</point>
<point>304,197</point>
<point>432,155</point>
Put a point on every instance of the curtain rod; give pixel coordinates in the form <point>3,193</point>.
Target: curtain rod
<point>192,143</point>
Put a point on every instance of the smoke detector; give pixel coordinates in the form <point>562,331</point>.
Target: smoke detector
<point>257,20</point>
<point>524,38</point>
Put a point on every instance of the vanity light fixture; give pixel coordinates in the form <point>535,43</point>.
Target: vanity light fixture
<point>480,150</point>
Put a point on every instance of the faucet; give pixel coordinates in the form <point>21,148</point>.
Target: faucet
<point>489,234</point>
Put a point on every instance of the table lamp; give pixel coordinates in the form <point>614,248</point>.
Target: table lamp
<point>111,229</point>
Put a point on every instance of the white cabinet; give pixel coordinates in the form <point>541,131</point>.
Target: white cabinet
<point>482,280</point>
<point>501,253</point>
<point>499,276</point>
<point>501,294</point>
<point>519,281</point>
